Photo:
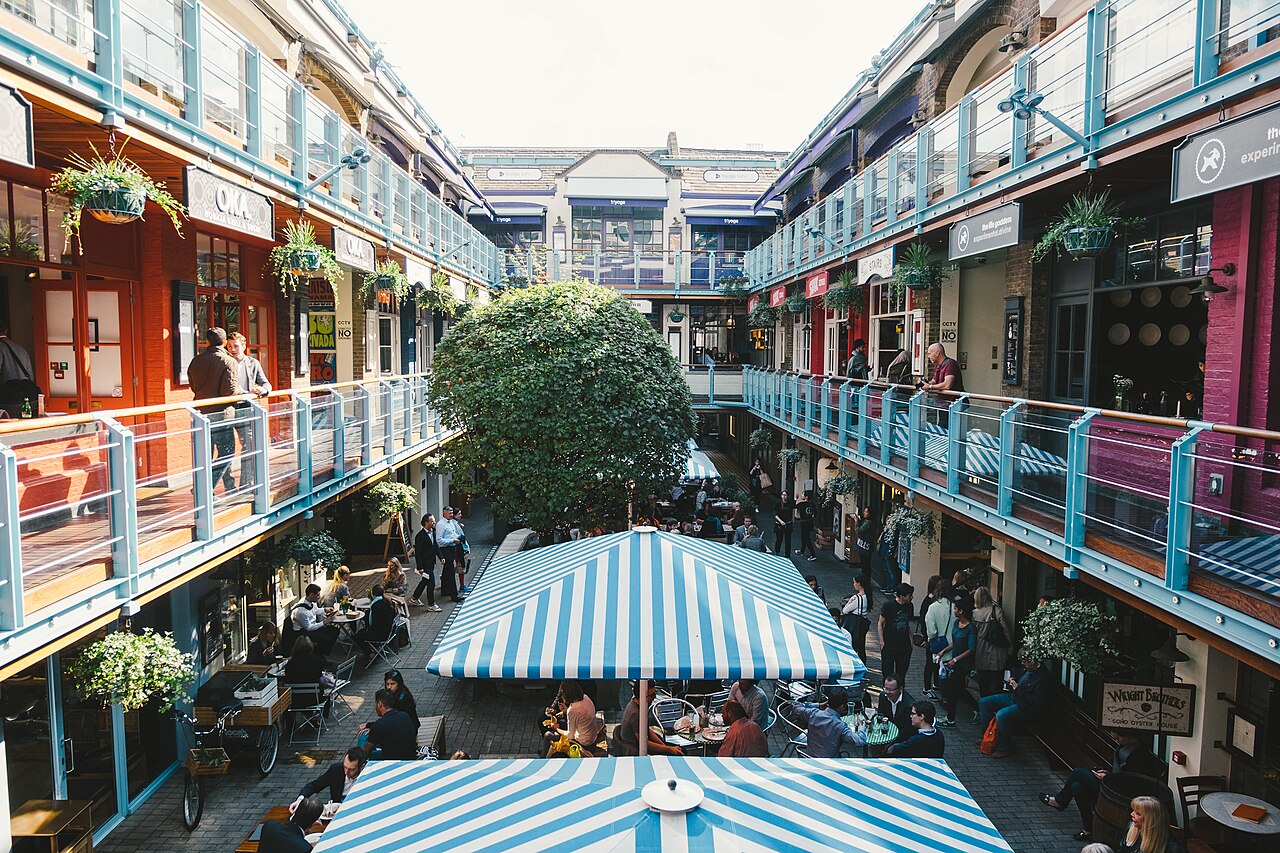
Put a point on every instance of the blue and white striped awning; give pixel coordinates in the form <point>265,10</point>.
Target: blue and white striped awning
<point>699,467</point>
<point>982,458</point>
<point>644,604</point>
<point>781,804</point>
<point>1253,561</point>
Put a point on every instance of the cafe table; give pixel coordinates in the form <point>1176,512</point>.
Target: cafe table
<point>881,731</point>
<point>251,842</point>
<point>347,623</point>
<point>1220,804</point>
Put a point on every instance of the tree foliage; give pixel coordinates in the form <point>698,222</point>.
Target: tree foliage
<point>570,402</point>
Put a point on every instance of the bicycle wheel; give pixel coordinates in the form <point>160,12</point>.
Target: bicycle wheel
<point>192,801</point>
<point>268,748</point>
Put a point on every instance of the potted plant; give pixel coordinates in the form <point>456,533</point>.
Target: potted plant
<point>790,456</point>
<point>675,315</point>
<point>913,524</point>
<point>1071,629</point>
<point>1124,387</point>
<point>796,303</point>
<point>1084,228</point>
<point>916,268</point>
<point>317,549</point>
<point>131,670</point>
<point>762,317</point>
<point>387,276</point>
<point>840,484</point>
<point>113,190</point>
<point>438,297</point>
<point>760,441</point>
<point>733,284</point>
<point>388,499</point>
<point>846,295</point>
<point>301,258</point>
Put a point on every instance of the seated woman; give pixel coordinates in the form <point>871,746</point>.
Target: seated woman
<point>394,681</point>
<point>394,581</point>
<point>626,737</point>
<point>305,666</point>
<point>263,648</point>
<point>580,721</point>
<point>336,589</point>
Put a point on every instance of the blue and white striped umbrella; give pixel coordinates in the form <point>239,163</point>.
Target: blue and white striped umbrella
<point>699,467</point>
<point>797,804</point>
<point>1253,561</point>
<point>644,605</point>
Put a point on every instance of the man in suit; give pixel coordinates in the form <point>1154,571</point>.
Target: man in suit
<point>338,779</point>
<point>425,554</point>
<point>290,836</point>
<point>895,703</point>
<point>381,620</point>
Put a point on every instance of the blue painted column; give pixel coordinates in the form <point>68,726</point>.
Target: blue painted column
<point>845,399</point>
<point>1182,488</point>
<point>192,54</point>
<point>886,425</point>
<point>915,433</point>
<point>388,419</point>
<point>253,101</point>
<point>202,474</point>
<point>297,106</point>
<point>924,138</point>
<point>12,616</point>
<point>891,187</point>
<point>1095,72</point>
<point>122,483</point>
<point>1205,54</point>
<point>1008,458</point>
<point>964,149</point>
<point>302,429</point>
<point>1077,496</point>
<point>864,419</point>
<point>108,58</point>
<point>955,443</point>
<point>824,424</point>
<point>260,430</point>
<point>366,424</point>
<point>1021,77</point>
<point>339,435</point>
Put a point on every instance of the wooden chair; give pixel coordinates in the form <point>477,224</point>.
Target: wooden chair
<point>1190,790</point>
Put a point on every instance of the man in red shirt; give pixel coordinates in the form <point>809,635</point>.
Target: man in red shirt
<point>946,377</point>
<point>745,739</point>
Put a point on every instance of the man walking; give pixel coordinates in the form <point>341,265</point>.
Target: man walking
<point>858,368</point>
<point>448,539</point>
<point>894,629</point>
<point>253,380</point>
<point>211,374</point>
<point>425,554</point>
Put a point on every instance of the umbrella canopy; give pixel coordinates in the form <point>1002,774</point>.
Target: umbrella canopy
<point>699,466</point>
<point>1253,561</point>
<point>644,604</point>
<point>803,805</point>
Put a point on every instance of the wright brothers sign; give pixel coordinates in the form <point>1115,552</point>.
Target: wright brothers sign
<point>1167,709</point>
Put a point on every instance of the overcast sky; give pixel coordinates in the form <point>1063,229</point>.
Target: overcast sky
<point>592,74</point>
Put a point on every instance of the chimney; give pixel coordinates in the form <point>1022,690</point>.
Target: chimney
<point>673,147</point>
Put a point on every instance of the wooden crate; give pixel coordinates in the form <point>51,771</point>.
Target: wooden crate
<point>205,769</point>
<point>259,716</point>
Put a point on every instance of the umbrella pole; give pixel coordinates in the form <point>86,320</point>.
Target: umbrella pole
<point>643,735</point>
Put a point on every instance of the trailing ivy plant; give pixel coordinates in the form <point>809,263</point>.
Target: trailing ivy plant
<point>733,284</point>
<point>133,669</point>
<point>301,258</point>
<point>317,549</point>
<point>763,317</point>
<point>841,484</point>
<point>87,182</point>
<point>796,303</point>
<point>389,498</point>
<point>387,275</point>
<point>761,441</point>
<point>438,296</point>
<point>1072,629</point>
<point>914,524</point>
<point>917,270</point>
<point>790,455</point>
<point>847,295</point>
<point>1084,212</point>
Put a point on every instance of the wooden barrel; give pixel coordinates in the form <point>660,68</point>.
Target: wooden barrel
<point>1111,813</point>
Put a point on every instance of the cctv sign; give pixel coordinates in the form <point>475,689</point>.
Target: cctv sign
<point>1227,155</point>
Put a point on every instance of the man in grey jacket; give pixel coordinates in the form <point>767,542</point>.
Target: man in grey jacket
<point>253,380</point>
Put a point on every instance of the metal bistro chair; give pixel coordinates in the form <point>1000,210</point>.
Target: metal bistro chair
<point>1190,790</point>
<point>668,710</point>
<point>797,735</point>
<point>715,702</point>
<point>345,672</point>
<point>792,691</point>
<point>385,649</point>
<point>306,708</point>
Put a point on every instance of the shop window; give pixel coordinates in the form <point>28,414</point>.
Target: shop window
<point>586,232</point>
<point>888,324</point>
<point>1070,335</point>
<point>217,262</point>
<point>718,333</point>
<point>31,225</point>
<point>219,301</point>
<point>1166,247</point>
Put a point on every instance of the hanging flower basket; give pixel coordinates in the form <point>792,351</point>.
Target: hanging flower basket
<point>763,317</point>
<point>847,295</point>
<point>916,270</point>
<point>116,207</point>
<point>1073,630</point>
<point>796,304</point>
<point>790,456</point>
<point>304,262</point>
<point>300,258</point>
<point>1086,242</point>
<point>913,524</point>
<point>132,670</point>
<point>676,315</point>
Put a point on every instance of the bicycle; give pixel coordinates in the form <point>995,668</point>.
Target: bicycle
<point>208,754</point>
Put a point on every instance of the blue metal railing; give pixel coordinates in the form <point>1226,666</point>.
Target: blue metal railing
<point>1145,504</point>
<point>1129,67</point>
<point>107,507</point>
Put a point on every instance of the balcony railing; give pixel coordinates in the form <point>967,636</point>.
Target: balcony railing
<point>1127,67</point>
<point>1184,514</point>
<point>176,62</point>
<point>97,509</point>
<point>644,270</point>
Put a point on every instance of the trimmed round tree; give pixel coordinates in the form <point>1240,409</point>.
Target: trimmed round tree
<point>570,402</point>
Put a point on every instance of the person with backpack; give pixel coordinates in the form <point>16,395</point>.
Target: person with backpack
<point>995,641</point>
<point>807,514</point>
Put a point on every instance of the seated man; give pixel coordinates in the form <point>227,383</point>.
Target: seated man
<point>381,620</point>
<point>290,836</point>
<point>895,704</point>
<point>336,782</point>
<point>626,737</point>
<point>747,693</point>
<point>391,735</point>
<point>925,741</point>
<point>311,620</point>
<point>1027,698</point>
<point>1132,756</point>
<point>744,739</point>
<point>828,733</point>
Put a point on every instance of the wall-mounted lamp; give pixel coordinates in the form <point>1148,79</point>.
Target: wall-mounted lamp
<point>816,234</point>
<point>1208,288</point>
<point>1012,43</point>
<point>1024,105</point>
<point>1169,654</point>
<point>918,119</point>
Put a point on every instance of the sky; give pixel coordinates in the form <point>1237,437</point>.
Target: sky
<point>572,73</point>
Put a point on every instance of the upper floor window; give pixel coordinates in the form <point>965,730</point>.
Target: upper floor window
<point>31,225</point>
<point>217,262</point>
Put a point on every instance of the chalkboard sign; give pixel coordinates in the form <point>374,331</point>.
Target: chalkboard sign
<point>1012,373</point>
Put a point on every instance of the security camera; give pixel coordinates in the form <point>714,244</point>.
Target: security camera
<point>982,259</point>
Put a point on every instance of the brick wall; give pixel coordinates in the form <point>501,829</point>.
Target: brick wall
<point>1031,282</point>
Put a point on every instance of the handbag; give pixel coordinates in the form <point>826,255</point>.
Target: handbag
<point>917,639</point>
<point>765,480</point>
<point>937,644</point>
<point>994,632</point>
<point>988,744</point>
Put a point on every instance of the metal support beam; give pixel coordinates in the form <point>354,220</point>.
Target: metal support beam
<point>303,444</point>
<point>260,432</point>
<point>365,396</point>
<point>1182,493</point>
<point>202,474</point>
<point>886,425</point>
<point>915,432</point>
<point>122,488</point>
<point>11,603</point>
<point>1077,496</point>
<point>192,61</point>
<point>1008,457</point>
<point>955,442</point>
<point>339,434</point>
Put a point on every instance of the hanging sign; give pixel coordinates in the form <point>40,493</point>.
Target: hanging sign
<point>879,263</point>
<point>1227,155</point>
<point>815,285</point>
<point>997,228</point>
<point>1162,708</point>
<point>17,141</point>
<point>213,199</point>
<point>353,251</point>
<point>777,296</point>
<point>753,302</point>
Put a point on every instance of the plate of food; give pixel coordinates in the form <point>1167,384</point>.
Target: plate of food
<point>313,839</point>
<point>714,735</point>
<point>330,809</point>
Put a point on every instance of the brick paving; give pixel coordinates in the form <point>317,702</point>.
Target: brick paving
<point>491,721</point>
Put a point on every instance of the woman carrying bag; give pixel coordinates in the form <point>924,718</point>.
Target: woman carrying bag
<point>995,642</point>
<point>855,615</point>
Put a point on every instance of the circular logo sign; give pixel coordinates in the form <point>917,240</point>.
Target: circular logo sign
<point>962,238</point>
<point>1210,160</point>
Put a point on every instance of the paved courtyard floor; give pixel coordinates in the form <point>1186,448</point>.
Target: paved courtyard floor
<point>502,722</point>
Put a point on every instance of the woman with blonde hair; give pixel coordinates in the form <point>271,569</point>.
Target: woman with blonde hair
<point>337,588</point>
<point>1149,829</point>
<point>394,581</point>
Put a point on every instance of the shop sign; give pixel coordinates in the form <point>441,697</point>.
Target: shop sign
<point>353,251</point>
<point>1228,155</point>
<point>1011,372</point>
<point>777,296</point>
<point>1161,708</point>
<point>815,285</point>
<point>17,141</point>
<point>997,228</point>
<point>417,272</point>
<point>753,302</point>
<point>880,263</point>
<point>221,202</point>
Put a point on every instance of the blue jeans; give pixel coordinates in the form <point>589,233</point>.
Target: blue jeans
<point>1006,713</point>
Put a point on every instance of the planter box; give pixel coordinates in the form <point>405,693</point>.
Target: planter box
<point>263,697</point>
<point>208,762</point>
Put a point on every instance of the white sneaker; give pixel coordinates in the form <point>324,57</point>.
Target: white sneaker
<point>435,608</point>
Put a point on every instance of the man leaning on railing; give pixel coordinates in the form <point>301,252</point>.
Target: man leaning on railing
<point>212,374</point>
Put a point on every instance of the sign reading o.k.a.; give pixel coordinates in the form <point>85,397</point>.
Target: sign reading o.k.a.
<point>216,200</point>
<point>1230,154</point>
<point>353,251</point>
